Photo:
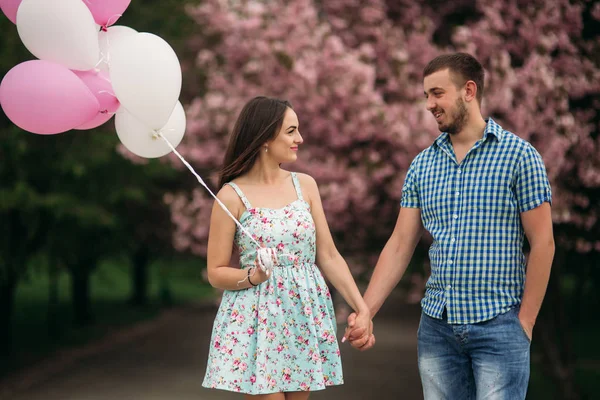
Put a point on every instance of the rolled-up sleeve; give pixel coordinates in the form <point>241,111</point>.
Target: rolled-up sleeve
<point>410,190</point>
<point>532,185</point>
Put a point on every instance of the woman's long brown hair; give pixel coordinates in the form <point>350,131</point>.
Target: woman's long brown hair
<point>259,121</point>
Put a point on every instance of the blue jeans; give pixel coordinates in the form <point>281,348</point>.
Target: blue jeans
<point>487,360</point>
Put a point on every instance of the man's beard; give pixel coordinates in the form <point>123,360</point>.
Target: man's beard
<point>458,119</point>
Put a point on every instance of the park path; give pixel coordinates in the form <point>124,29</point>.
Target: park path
<point>167,362</point>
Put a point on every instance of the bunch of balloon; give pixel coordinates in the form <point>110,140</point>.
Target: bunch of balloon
<point>88,70</point>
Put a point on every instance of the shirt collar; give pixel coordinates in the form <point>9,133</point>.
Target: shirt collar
<point>491,128</point>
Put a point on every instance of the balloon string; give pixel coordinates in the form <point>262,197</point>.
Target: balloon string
<point>107,92</point>
<point>159,134</point>
<point>108,23</point>
<point>266,257</point>
<point>105,57</point>
<point>100,60</point>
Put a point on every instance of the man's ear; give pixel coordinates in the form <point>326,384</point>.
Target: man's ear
<point>470,91</point>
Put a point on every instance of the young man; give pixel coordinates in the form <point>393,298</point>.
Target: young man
<point>478,190</point>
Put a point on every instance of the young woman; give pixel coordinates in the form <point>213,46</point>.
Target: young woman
<point>274,336</point>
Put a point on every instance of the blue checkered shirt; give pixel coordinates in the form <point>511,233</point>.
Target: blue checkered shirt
<point>472,210</point>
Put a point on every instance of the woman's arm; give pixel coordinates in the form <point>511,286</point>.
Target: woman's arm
<point>330,261</point>
<point>220,245</point>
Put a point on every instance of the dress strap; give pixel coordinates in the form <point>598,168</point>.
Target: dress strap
<point>241,194</point>
<point>297,185</point>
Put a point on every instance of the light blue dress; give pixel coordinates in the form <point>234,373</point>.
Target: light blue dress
<point>281,335</point>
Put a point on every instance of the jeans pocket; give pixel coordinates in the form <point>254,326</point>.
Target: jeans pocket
<point>523,329</point>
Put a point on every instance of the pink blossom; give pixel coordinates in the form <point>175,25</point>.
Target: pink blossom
<point>353,72</point>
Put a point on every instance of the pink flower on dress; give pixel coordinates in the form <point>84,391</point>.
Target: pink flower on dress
<point>271,335</point>
<point>279,348</point>
<point>307,310</point>
<point>250,330</point>
<point>253,379</point>
<point>243,366</point>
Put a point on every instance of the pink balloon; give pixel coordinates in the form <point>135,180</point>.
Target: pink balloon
<point>46,98</point>
<point>9,8</point>
<point>107,12</point>
<point>99,84</point>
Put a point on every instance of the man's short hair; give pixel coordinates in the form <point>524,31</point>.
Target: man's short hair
<point>463,67</point>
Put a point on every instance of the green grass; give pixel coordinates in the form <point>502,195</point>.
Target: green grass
<point>175,282</point>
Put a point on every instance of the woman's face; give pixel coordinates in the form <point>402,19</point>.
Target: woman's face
<point>284,148</point>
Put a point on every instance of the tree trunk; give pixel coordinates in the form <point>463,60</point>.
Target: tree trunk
<point>139,277</point>
<point>80,294</point>
<point>52,323</point>
<point>7,300</point>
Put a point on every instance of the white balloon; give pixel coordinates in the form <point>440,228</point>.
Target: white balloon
<point>112,37</point>
<point>142,140</point>
<point>61,31</point>
<point>146,76</point>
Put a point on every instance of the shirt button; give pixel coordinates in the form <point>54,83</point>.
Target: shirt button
<point>455,216</point>
<point>448,287</point>
<point>450,262</point>
<point>457,193</point>
<point>458,171</point>
<point>453,240</point>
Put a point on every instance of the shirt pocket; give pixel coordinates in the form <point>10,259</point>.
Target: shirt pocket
<point>493,195</point>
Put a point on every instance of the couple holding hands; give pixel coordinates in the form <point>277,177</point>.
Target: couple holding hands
<point>478,190</point>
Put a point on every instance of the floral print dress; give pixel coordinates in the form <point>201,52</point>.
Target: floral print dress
<point>279,336</point>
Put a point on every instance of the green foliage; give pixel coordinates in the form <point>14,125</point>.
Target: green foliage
<point>72,197</point>
<point>110,286</point>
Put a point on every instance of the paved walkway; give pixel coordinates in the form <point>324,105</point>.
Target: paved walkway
<point>168,363</point>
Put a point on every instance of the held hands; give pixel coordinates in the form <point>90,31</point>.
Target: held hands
<point>360,331</point>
